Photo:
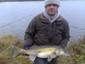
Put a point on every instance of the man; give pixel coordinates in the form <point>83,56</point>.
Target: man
<point>47,28</point>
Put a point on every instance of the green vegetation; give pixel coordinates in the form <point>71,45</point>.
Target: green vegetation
<point>77,52</point>
<point>6,56</point>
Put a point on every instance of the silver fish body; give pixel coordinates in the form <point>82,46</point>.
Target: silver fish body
<point>48,52</point>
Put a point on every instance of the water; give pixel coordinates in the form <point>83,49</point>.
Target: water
<point>15,16</point>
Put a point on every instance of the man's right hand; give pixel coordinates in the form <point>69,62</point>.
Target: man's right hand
<point>26,47</point>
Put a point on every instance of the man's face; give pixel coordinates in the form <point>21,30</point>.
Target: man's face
<point>51,9</point>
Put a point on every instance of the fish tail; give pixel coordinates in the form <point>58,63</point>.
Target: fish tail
<point>15,51</point>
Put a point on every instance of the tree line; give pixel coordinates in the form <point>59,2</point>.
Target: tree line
<point>31,0</point>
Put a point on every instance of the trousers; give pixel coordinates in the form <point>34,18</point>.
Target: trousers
<point>44,61</point>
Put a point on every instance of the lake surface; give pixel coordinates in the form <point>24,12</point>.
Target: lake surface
<point>15,16</point>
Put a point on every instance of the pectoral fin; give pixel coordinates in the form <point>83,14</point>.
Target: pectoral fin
<point>32,57</point>
<point>49,59</point>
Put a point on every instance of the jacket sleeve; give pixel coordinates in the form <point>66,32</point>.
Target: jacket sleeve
<point>66,35</point>
<point>29,33</point>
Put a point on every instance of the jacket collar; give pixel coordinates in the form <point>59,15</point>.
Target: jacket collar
<point>60,18</point>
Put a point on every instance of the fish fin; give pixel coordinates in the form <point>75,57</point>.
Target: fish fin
<point>49,59</point>
<point>15,51</point>
<point>32,57</point>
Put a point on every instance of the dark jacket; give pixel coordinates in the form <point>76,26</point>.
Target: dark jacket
<point>42,32</point>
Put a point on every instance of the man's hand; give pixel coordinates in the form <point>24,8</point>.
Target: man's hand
<point>26,47</point>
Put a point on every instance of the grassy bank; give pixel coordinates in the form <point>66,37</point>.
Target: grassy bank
<point>6,56</point>
<point>77,52</point>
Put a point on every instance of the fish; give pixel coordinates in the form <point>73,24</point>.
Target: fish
<point>48,52</point>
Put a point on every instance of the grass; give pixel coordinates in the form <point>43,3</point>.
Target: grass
<point>6,56</point>
<point>77,52</point>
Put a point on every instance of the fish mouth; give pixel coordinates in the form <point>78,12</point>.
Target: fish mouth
<point>62,53</point>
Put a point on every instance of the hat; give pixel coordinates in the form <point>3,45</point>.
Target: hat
<point>57,2</point>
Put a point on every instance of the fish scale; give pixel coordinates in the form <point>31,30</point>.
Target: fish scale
<point>48,52</point>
